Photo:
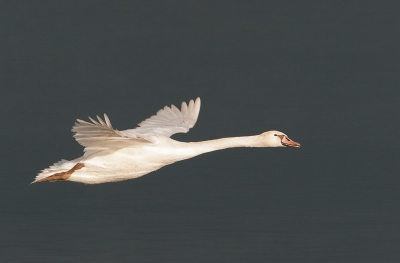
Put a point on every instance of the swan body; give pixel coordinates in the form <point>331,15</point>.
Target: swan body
<point>112,155</point>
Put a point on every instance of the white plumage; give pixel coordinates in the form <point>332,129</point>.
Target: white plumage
<point>112,155</point>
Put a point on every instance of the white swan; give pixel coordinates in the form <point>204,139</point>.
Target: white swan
<point>112,155</point>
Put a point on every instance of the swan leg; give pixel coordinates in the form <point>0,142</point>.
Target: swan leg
<point>61,176</point>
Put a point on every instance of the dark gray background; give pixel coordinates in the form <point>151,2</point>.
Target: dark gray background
<point>324,72</point>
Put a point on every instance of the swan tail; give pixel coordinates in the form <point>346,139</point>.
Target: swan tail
<point>59,171</point>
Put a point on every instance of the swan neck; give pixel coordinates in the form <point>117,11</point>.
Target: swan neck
<point>224,143</point>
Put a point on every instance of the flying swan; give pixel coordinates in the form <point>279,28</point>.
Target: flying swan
<point>111,155</point>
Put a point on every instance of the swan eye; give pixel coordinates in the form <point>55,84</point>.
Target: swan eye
<point>274,134</point>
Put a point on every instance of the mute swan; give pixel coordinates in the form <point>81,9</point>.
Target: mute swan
<point>111,155</point>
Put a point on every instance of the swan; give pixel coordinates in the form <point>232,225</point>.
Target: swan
<point>111,155</point>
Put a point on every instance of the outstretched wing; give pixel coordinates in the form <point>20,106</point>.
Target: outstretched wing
<point>170,120</point>
<point>100,135</point>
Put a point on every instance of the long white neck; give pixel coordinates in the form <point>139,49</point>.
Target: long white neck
<point>197,148</point>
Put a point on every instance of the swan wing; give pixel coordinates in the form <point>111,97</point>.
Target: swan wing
<point>100,135</point>
<point>170,120</point>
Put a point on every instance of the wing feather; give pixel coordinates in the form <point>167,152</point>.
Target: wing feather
<point>171,120</point>
<point>184,109</point>
<point>100,135</point>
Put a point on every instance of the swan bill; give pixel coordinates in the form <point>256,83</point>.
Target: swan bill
<point>286,141</point>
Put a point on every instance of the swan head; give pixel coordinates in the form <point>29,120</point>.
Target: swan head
<point>277,139</point>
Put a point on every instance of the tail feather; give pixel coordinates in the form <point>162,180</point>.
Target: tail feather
<point>58,167</point>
